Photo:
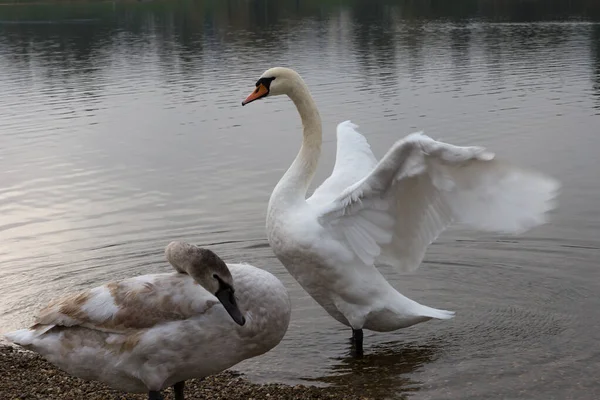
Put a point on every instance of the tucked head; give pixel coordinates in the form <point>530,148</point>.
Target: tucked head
<point>208,270</point>
<point>274,82</point>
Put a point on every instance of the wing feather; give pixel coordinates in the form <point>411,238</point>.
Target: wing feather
<point>135,303</point>
<point>353,161</point>
<point>420,187</point>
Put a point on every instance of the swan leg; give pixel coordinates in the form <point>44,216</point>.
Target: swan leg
<point>357,342</point>
<point>155,395</point>
<point>178,389</point>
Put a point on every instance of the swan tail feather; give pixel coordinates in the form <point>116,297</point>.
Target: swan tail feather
<point>25,337</point>
<point>435,313</point>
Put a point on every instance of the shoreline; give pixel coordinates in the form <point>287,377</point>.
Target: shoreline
<point>27,376</point>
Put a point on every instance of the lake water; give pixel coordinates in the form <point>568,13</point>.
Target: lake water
<point>121,129</point>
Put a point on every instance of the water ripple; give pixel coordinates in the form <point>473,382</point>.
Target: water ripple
<point>122,135</point>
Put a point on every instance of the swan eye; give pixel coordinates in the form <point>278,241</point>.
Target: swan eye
<point>222,284</point>
<point>264,81</point>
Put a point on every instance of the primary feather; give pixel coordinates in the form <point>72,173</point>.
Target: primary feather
<point>421,186</point>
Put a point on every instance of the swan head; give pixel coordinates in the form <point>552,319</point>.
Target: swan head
<point>209,271</point>
<point>274,82</point>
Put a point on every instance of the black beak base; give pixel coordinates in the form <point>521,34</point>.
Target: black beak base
<point>226,297</point>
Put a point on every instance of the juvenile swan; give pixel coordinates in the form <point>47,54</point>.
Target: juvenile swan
<point>370,213</point>
<point>146,333</point>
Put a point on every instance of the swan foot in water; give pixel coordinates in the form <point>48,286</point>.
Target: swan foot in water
<point>178,389</point>
<point>155,395</point>
<point>357,343</point>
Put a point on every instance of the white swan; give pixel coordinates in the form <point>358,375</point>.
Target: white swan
<point>146,333</point>
<point>370,213</point>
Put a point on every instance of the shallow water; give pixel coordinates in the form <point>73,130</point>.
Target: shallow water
<point>121,129</point>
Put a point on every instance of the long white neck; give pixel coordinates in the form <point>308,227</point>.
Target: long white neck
<point>292,187</point>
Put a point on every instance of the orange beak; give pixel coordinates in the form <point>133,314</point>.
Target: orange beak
<point>260,91</point>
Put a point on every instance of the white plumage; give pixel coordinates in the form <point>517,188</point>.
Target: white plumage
<point>370,213</point>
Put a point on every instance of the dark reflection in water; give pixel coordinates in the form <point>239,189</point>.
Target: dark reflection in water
<point>121,129</point>
<point>460,43</point>
<point>79,37</point>
<point>374,28</point>
<point>386,371</point>
<point>595,54</point>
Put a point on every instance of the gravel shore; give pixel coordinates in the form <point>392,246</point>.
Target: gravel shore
<point>26,376</point>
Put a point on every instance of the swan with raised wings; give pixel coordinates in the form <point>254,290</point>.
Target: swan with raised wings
<point>147,333</point>
<point>370,213</point>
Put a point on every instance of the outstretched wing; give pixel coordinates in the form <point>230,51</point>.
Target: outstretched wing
<point>353,161</point>
<point>421,186</point>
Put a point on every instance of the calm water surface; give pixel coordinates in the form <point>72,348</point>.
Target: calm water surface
<point>121,129</point>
